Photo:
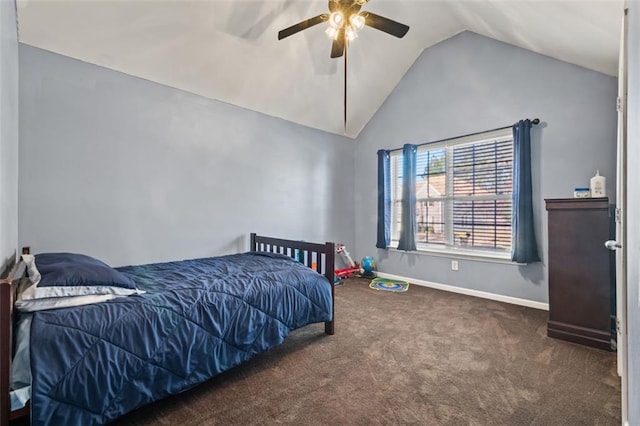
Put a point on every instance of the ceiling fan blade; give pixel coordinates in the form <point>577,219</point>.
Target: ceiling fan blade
<point>386,25</point>
<point>302,26</point>
<point>337,47</point>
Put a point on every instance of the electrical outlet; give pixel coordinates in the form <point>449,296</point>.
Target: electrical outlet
<point>454,265</point>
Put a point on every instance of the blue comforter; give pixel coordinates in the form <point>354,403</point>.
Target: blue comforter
<point>200,317</point>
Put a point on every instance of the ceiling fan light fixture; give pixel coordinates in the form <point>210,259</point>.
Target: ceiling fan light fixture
<point>351,33</point>
<point>361,2</point>
<point>331,32</point>
<point>357,21</point>
<point>336,20</point>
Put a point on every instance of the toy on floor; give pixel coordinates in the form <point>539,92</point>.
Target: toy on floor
<point>368,266</point>
<point>352,267</point>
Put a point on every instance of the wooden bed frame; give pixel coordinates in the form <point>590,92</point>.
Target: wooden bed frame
<point>319,257</point>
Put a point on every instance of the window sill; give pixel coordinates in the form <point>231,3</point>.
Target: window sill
<point>478,256</point>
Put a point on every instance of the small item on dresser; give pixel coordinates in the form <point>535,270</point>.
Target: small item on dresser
<point>598,185</point>
<point>581,193</point>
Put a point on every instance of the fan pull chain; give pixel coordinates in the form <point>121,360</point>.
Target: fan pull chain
<point>346,47</point>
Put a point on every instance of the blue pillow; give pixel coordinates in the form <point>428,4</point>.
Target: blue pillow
<point>54,276</point>
<point>69,269</point>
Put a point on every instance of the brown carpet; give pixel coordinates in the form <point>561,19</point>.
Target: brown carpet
<point>422,357</point>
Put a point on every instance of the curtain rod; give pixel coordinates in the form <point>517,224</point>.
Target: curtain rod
<point>534,121</point>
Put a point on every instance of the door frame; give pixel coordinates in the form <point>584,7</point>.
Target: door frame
<point>620,219</point>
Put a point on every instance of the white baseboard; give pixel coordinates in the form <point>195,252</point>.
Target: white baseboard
<point>469,292</point>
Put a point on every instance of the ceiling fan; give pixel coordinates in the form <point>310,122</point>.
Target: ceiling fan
<point>345,21</point>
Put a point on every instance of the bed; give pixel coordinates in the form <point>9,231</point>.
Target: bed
<point>186,322</point>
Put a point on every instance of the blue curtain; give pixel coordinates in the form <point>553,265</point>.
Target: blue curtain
<point>408,217</point>
<point>384,199</point>
<point>524,248</point>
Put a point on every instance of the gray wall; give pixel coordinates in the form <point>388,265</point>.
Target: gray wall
<point>132,172</point>
<point>8,131</point>
<point>633,213</point>
<point>471,83</point>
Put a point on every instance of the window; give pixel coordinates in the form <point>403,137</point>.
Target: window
<point>463,194</point>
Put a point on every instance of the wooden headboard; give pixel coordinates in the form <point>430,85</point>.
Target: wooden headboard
<point>8,283</point>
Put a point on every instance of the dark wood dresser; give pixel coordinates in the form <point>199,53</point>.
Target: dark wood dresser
<point>579,271</point>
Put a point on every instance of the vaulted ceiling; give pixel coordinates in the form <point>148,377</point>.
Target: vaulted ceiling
<point>229,51</point>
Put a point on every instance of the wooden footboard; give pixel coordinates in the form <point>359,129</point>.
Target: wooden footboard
<point>319,257</point>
